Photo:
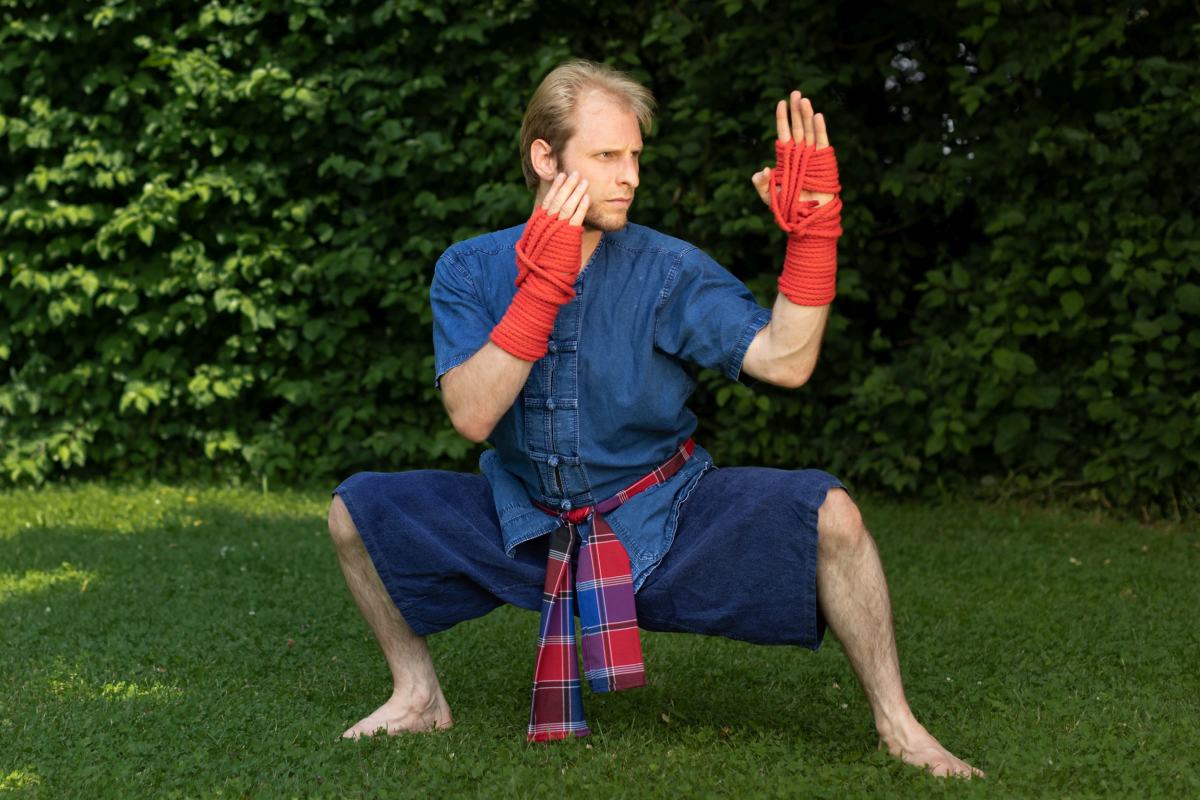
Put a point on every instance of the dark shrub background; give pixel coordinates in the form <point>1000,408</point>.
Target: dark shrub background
<point>218,223</point>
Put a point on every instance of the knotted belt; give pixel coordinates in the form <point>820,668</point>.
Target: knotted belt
<point>612,648</point>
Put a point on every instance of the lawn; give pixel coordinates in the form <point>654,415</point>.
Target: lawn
<point>173,641</point>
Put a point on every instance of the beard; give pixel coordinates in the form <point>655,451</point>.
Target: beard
<point>606,220</point>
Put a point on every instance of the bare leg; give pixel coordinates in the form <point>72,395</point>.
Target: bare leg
<point>416,703</point>
<point>853,594</point>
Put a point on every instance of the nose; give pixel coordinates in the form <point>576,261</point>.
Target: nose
<point>629,172</point>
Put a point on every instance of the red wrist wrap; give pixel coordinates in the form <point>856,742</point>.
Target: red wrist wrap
<point>810,267</point>
<point>547,265</point>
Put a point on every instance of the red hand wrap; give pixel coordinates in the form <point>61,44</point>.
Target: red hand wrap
<point>810,267</point>
<point>547,265</point>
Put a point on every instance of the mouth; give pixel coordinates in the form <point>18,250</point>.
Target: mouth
<point>624,202</point>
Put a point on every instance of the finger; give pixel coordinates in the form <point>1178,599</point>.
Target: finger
<point>558,179</point>
<point>797,118</point>
<point>581,210</point>
<point>762,184</point>
<point>565,187</point>
<point>822,135</point>
<point>782,129</point>
<point>564,191</point>
<point>806,113</point>
<point>571,204</point>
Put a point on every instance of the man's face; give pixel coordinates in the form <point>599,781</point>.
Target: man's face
<point>605,149</point>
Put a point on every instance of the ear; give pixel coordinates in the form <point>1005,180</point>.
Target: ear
<point>543,160</point>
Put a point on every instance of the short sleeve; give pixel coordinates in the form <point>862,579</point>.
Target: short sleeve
<point>707,316</point>
<point>461,322</point>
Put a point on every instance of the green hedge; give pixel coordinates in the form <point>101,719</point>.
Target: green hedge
<point>219,222</point>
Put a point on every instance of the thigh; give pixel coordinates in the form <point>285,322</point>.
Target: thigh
<point>435,541</point>
<point>743,563</point>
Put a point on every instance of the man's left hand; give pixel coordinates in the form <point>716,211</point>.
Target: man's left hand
<point>809,128</point>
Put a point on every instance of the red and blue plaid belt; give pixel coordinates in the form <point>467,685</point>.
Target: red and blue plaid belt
<point>612,648</point>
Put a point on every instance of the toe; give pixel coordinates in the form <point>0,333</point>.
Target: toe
<point>363,728</point>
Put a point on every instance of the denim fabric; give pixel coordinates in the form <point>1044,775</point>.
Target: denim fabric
<point>743,564</point>
<point>607,403</point>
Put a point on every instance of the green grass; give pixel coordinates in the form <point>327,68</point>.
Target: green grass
<point>163,641</point>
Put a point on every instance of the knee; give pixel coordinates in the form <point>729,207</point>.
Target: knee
<point>341,525</point>
<point>840,525</point>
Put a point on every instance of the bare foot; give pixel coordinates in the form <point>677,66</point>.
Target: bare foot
<point>914,745</point>
<point>404,713</point>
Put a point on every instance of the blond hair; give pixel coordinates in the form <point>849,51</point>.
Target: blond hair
<point>549,113</point>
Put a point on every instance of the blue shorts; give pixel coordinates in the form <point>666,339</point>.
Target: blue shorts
<point>743,563</point>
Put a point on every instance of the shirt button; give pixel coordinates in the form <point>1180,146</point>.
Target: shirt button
<point>552,461</point>
<point>552,346</point>
<point>551,405</point>
<point>565,505</point>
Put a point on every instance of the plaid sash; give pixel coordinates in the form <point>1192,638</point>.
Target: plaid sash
<point>612,647</point>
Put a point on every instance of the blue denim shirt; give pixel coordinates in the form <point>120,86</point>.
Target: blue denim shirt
<point>606,404</point>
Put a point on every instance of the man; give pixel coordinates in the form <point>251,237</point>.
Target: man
<point>565,343</point>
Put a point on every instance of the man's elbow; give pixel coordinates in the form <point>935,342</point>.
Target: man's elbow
<point>793,376</point>
<point>470,425</point>
<point>464,416</point>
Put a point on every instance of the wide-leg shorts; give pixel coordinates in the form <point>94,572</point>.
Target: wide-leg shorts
<point>743,563</point>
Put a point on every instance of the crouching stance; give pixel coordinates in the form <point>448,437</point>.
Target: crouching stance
<point>567,343</point>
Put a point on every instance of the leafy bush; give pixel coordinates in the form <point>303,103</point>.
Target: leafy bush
<point>219,223</point>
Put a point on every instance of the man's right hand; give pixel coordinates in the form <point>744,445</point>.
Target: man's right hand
<point>551,242</point>
<point>567,198</point>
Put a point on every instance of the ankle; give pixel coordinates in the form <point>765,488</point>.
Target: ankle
<point>898,727</point>
<point>417,695</point>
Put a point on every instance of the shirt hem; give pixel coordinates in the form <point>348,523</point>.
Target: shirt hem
<point>733,366</point>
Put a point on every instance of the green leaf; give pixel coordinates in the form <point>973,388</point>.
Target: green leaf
<point>1013,362</point>
<point>1008,218</point>
<point>1009,431</point>
<point>1148,329</point>
<point>89,283</point>
<point>1188,297</point>
<point>1072,303</point>
<point>1043,397</point>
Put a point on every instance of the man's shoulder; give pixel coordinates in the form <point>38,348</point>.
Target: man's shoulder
<point>484,245</point>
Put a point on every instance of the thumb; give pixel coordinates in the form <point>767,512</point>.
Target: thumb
<point>762,184</point>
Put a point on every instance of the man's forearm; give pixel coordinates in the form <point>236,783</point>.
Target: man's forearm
<point>785,351</point>
<point>481,390</point>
